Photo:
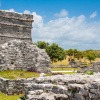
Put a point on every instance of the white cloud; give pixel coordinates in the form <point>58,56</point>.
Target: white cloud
<point>93,15</point>
<point>10,10</point>
<point>38,21</point>
<point>27,12</point>
<point>62,13</point>
<point>73,32</point>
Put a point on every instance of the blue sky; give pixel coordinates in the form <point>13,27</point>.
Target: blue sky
<point>69,23</point>
<point>47,8</point>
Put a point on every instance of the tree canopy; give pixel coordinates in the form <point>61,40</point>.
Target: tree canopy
<point>90,55</point>
<point>42,44</point>
<point>55,52</point>
<point>75,53</point>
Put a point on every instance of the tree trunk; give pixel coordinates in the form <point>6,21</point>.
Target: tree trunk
<point>90,62</point>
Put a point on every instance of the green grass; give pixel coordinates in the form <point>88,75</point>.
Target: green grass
<point>68,72</point>
<point>16,74</point>
<point>62,73</point>
<point>64,69</point>
<point>89,72</point>
<point>11,97</point>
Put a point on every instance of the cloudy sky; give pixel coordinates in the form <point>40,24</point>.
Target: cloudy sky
<point>69,23</point>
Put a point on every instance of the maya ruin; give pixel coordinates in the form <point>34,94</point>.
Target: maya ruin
<point>17,52</point>
<point>16,48</point>
<point>15,26</point>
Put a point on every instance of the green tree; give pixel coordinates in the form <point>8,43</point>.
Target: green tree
<point>90,55</point>
<point>72,52</point>
<point>78,55</point>
<point>55,52</point>
<point>42,44</point>
<point>69,52</point>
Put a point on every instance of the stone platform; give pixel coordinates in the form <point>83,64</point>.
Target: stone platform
<point>65,87</point>
<point>57,87</point>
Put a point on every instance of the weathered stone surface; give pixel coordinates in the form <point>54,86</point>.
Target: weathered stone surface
<point>15,26</point>
<point>18,54</point>
<point>16,49</point>
<point>47,96</point>
<point>46,88</point>
<point>95,68</point>
<point>71,89</point>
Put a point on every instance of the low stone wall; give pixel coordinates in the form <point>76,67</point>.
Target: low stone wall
<point>57,87</point>
<point>94,68</point>
<point>11,87</point>
<point>65,87</point>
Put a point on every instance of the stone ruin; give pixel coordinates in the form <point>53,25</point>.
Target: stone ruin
<point>95,67</point>
<point>65,87</point>
<point>16,48</point>
<point>18,52</point>
<point>15,26</point>
<point>57,87</point>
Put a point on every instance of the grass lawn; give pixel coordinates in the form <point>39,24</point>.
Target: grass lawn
<point>6,97</point>
<point>64,69</point>
<point>68,72</point>
<point>18,74</point>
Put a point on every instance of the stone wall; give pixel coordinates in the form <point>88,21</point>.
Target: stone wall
<point>22,55</point>
<point>65,87</point>
<point>58,87</point>
<point>11,87</point>
<point>15,26</point>
<point>94,68</point>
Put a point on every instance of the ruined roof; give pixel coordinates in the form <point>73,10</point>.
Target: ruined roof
<point>15,26</point>
<point>15,15</point>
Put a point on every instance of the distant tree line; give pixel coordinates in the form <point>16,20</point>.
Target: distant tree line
<point>88,54</point>
<point>56,53</point>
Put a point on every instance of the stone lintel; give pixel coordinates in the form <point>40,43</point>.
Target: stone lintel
<point>17,25</point>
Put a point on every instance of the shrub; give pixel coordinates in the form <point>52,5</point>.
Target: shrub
<point>31,69</point>
<point>22,98</point>
<point>89,72</point>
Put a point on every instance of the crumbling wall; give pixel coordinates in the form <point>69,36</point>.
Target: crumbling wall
<point>58,87</point>
<point>22,55</point>
<point>16,48</point>
<point>65,87</point>
<point>11,87</point>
